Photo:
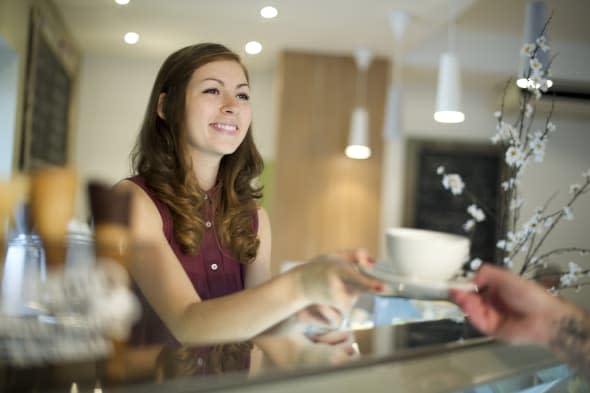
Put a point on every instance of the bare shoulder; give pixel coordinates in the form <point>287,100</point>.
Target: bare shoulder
<point>263,218</point>
<point>146,221</point>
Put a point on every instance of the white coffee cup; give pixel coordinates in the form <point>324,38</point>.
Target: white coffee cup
<point>420,253</point>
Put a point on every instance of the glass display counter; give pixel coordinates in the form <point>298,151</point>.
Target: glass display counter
<point>425,356</point>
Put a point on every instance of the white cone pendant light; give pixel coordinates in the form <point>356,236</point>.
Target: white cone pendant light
<point>448,94</point>
<point>358,136</point>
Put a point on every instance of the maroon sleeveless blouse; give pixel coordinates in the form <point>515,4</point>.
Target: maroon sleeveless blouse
<point>213,271</point>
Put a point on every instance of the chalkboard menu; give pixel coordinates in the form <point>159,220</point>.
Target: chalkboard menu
<point>431,206</point>
<point>49,126</point>
<point>46,123</point>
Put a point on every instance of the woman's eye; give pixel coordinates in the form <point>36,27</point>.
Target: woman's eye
<point>212,90</point>
<point>244,96</point>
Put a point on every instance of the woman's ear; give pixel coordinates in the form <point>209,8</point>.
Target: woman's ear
<point>160,108</point>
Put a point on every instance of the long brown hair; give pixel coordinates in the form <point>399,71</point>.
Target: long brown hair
<point>161,157</point>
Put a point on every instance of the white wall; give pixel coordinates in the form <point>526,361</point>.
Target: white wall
<point>14,22</point>
<point>114,92</point>
<point>8,96</point>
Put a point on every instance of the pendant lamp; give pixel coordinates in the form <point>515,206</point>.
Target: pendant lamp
<point>392,125</point>
<point>358,136</point>
<point>448,93</point>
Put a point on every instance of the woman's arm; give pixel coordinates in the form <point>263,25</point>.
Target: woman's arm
<point>239,316</point>
<point>259,271</point>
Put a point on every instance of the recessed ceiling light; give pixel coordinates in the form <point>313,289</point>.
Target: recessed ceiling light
<point>253,47</point>
<point>269,12</point>
<point>122,2</point>
<point>131,38</point>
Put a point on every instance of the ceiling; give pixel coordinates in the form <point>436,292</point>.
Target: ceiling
<point>329,26</point>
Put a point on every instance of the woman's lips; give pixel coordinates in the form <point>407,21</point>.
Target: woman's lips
<point>225,127</point>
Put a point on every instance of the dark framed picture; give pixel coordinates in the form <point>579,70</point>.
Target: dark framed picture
<point>52,65</point>
<point>428,205</point>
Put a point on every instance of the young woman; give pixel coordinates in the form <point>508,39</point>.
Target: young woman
<point>206,276</point>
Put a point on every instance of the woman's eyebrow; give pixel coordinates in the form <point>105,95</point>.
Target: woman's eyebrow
<point>223,84</point>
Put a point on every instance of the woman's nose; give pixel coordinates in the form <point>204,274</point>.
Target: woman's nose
<point>230,105</point>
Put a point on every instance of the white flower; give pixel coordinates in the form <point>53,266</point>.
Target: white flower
<point>553,291</point>
<point>566,280</point>
<point>497,114</point>
<point>476,213</point>
<point>574,269</point>
<point>536,65</point>
<point>586,174</point>
<point>528,110</point>
<point>551,127</point>
<point>575,188</point>
<point>508,184</point>
<point>508,262</point>
<point>534,260</point>
<point>528,49</point>
<point>505,130</point>
<point>496,139</point>
<point>542,42</point>
<point>548,222</point>
<point>516,203</point>
<point>475,264</point>
<point>532,225</point>
<point>537,145</point>
<point>468,225</point>
<point>514,156</point>
<point>567,213</point>
<point>505,245</point>
<point>440,170</point>
<point>454,183</point>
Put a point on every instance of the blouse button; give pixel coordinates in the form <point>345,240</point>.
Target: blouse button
<point>208,224</point>
<point>214,266</point>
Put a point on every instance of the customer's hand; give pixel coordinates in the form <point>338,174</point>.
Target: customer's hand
<point>512,308</point>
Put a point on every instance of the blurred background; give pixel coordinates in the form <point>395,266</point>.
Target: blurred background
<point>305,83</point>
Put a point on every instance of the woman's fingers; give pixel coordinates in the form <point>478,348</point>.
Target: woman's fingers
<point>359,256</point>
<point>320,315</point>
<point>334,337</point>
<point>358,282</point>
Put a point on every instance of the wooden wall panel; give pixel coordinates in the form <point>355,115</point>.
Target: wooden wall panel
<point>323,200</point>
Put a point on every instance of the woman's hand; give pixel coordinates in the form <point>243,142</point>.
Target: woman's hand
<point>335,280</point>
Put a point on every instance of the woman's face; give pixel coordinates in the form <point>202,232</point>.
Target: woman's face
<point>217,113</point>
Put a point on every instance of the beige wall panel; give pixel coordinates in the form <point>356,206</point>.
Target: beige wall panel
<point>323,200</point>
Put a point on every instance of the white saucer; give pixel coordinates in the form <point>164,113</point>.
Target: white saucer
<point>417,288</point>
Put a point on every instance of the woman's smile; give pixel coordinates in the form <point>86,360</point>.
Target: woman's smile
<point>225,128</point>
